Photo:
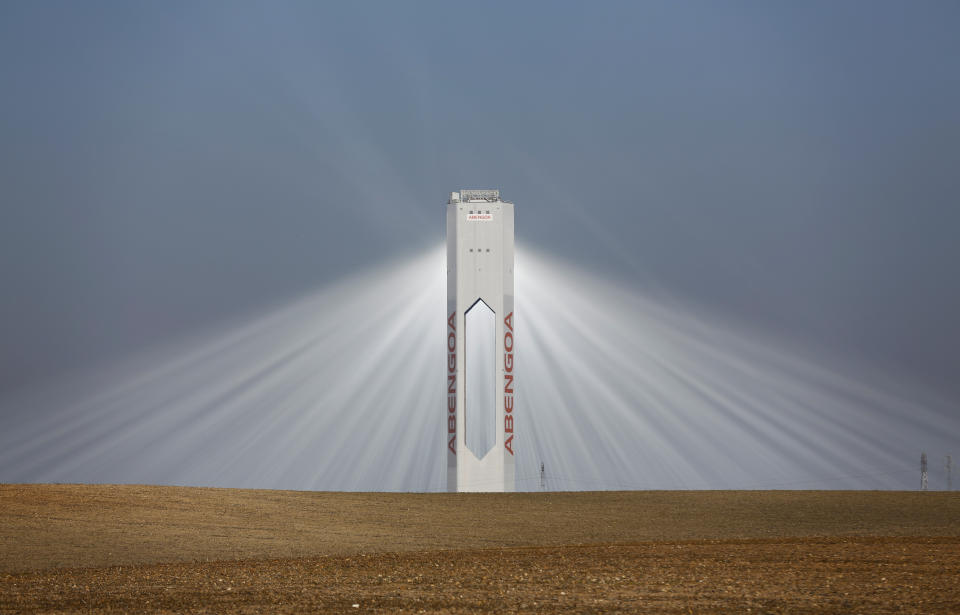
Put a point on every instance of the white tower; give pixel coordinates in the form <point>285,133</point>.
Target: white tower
<point>480,348</point>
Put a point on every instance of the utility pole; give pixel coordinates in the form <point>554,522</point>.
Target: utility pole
<point>543,478</point>
<point>923,471</point>
<point>949,464</point>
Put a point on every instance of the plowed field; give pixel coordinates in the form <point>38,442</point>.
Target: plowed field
<point>168,549</point>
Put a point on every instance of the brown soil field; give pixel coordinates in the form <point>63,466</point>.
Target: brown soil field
<point>110,548</point>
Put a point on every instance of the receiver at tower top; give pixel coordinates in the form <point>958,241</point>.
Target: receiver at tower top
<point>480,342</point>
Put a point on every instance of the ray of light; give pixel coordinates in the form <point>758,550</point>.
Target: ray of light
<point>338,390</point>
<point>654,395</point>
<point>342,389</point>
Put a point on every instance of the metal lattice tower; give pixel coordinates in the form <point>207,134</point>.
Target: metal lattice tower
<point>923,471</point>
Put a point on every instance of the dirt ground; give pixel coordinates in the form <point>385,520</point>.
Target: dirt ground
<point>69,548</point>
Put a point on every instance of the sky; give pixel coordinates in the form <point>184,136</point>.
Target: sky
<point>165,167</point>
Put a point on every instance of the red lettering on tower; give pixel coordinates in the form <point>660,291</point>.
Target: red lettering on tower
<point>508,382</point>
<point>452,381</point>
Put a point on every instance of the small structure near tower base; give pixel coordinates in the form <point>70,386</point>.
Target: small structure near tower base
<point>480,425</point>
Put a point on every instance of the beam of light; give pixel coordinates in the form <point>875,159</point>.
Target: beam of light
<point>651,394</point>
<point>343,389</point>
<point>339,390</point>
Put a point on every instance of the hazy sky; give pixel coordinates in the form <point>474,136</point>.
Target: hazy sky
<point>793,165</point>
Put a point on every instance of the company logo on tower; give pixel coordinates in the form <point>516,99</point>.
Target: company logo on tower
<point>452,382</point>
<point>508,383</point>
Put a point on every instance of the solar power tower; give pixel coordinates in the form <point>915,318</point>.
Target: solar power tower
<point>480,426</point>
